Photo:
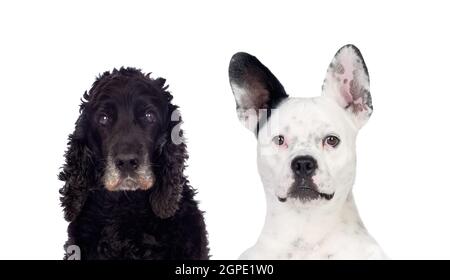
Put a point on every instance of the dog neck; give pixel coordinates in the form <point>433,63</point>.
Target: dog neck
<point>118,203</point>
<point>287,222</point>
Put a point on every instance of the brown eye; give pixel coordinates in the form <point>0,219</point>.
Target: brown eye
<point>149,116</point>
<point>331,141</point>
<point>103,119</point>
<point>278,140</point>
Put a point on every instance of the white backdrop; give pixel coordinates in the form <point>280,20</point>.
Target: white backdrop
<point>51,52</point>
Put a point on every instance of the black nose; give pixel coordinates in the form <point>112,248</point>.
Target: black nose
<point>304,165</point>
<point>127,162</point>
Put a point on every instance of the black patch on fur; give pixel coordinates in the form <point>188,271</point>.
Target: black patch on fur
<point>264,89</point>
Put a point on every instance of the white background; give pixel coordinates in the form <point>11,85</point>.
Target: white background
<point>51,52</point>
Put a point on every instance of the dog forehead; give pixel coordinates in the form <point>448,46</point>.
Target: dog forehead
<point>314,115</point>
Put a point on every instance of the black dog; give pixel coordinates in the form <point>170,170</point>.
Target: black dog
<point>125,194</point>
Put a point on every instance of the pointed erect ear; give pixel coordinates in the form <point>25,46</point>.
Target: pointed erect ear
<point>255,88</point>
<point>347,82</point>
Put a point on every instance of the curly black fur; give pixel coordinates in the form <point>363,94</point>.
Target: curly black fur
<point>162,222</point>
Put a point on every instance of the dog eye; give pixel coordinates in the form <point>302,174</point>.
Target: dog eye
<point>103,119</point>
<point>149,116</point>
<point>331,141</point>
<point>278,140</point>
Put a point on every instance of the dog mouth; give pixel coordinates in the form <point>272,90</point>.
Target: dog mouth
<point>130,183</point>
<point>305,190</point>
<point>115,181</point>
<point>141,179</point>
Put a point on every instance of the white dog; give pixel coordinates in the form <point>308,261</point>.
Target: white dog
<point>307,160</point>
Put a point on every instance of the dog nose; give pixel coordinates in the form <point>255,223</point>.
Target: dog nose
<point>304,165</point>
<point>127,162</point>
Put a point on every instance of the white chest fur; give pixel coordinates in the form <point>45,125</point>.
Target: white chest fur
<point>305,234</point>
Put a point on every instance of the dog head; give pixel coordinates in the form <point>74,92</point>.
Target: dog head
<point>306,146</point>
<point>127,112</point>
<point>127,138</point>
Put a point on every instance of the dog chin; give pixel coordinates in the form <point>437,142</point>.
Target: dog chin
<point>131,184</point>
<point>305,193</point>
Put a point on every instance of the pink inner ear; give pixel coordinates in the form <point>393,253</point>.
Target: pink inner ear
<point>343,73</point>
<point>344,88</point>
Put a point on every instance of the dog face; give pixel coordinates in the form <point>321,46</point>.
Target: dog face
<point>306,146</point>
<point>128,112</point>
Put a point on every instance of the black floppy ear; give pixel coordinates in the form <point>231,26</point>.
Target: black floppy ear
<point>170,165</point>
<point>78,172</point>
<point>255,88</point>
